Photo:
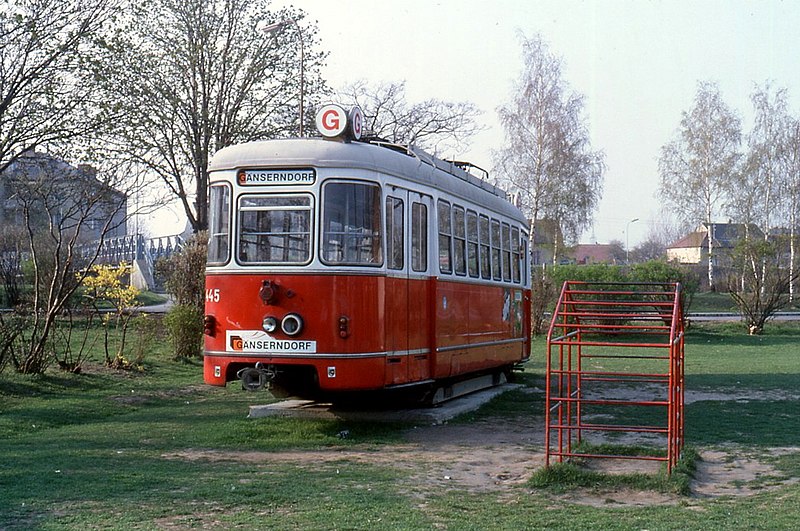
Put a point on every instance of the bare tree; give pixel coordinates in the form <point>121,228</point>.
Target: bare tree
<point>647,250</point>
<point>434,125</point>
<point>698,167</point>
<point>761,290</point>
<point>791,194</point>
<point>46,96</point>
<point>49,103</point>
<point>660,235</point>
<point>67,214</point>
<point>547,158</point>
<point>194,76</point>
<point>757,197</point>
<point>11,248</point>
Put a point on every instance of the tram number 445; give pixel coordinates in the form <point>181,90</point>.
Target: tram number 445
<point>212,295</point>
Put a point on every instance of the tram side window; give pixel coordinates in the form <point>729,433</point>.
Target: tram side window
<point>219,224</point>
<point>515,254</point>
<point>472,243</point>
<point>483,233</point>
<point>496,250</point>
<point>351,224</point>
<point>459,241</point>
<point>445,236</point>
<point>506,252</point>
<point>274,229</point>
<point>419,237</point>
<point>394,233</point>
<point>525,260</point>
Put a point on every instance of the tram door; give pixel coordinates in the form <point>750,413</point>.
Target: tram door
<point>407,286</point>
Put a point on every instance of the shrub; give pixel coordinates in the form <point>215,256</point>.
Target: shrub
<point>546,283</point>
<point>184,324</point>
<point>11,327</point>
<point>184,274</point>
<point>104,284</point>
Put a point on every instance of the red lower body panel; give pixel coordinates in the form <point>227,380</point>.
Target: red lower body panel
<point>362,332</point>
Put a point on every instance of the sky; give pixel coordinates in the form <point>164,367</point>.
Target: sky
<point>637,64</point>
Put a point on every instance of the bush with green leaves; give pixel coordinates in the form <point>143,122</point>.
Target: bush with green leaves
<point>184,324</point>
<point>547,283</point>
<point>184,271</point>
<point>184,274</point>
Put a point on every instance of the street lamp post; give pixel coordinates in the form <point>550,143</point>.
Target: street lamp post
<point>278,26</point>
<point>627,239</point>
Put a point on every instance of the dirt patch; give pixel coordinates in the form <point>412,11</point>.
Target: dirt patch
<point>732,473</point>
<point>500,455</point>
<point>480,457</point>
<point>641,391</point>
<point>620,498</point>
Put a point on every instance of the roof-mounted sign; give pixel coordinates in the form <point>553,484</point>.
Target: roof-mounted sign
<point>356,122</point>
<point>333,121</point>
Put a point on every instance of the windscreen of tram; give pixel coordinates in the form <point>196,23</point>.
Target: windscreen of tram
<point>351,224</point>
<point>274,229</point>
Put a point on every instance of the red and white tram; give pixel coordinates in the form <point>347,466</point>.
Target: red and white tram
<point>339,266</point>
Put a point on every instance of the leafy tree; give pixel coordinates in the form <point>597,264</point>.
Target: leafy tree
<point>47,97</point>
<point>193,76</point>
<point>434,125</point>
<point>548,158</point>
<point>698,167</point>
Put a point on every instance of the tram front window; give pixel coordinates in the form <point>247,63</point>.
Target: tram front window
<point>351,224</point>
<point>274,229</point>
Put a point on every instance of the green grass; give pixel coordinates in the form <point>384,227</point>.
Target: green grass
<point>159,449</point>
<point>149,298</point>
<point>564,477</point>
<point>709,301</point>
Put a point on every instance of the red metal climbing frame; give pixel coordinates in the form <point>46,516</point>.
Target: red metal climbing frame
<point>615,368</point>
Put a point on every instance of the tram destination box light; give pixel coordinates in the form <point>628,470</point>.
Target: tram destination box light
<point>335,123</point>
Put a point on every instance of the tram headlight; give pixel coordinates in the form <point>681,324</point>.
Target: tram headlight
<point>292,324</point>
<point>269,324</point>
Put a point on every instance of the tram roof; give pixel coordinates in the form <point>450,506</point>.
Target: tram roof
<point>411,164</point>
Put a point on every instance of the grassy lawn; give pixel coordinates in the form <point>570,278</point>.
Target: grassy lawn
<point>159,449</point>
<point>722,302</point>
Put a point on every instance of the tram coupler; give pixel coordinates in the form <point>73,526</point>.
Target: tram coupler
<point>258,377</point>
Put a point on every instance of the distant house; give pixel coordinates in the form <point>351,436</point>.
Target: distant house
<point>693,248</point>
<point>595,253</point>
<point>50,187</point>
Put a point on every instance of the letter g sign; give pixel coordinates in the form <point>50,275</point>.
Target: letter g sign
<point>331,120</point>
